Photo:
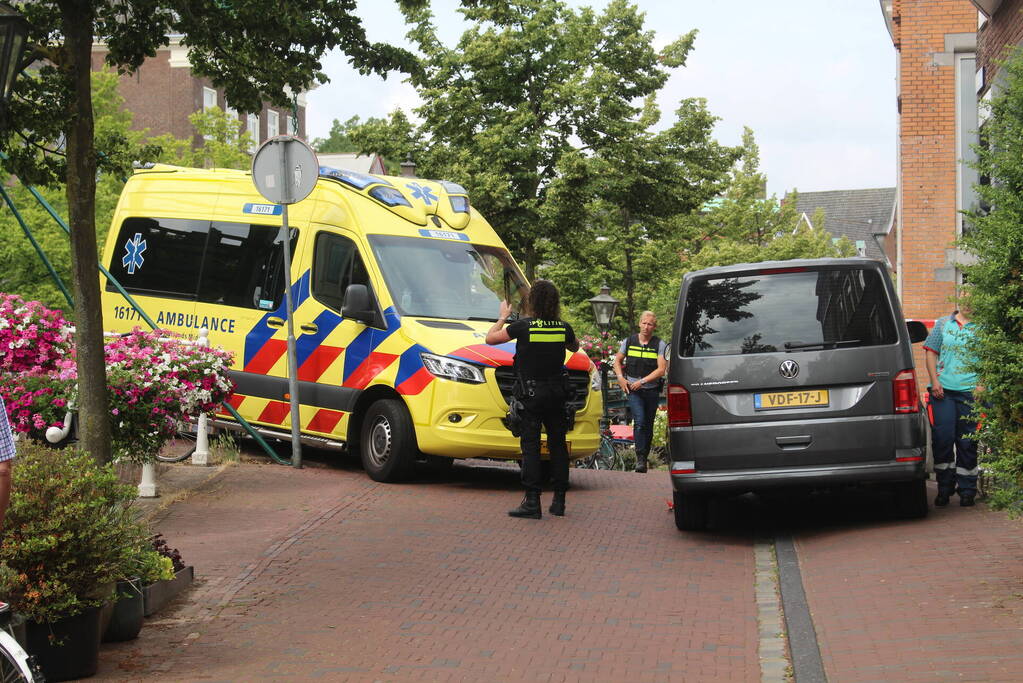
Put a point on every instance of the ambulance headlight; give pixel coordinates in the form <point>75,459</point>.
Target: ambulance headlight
<point>449,368</point>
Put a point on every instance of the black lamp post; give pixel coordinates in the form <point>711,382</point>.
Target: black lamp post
<point>604,307</point>
<point>13,34</point>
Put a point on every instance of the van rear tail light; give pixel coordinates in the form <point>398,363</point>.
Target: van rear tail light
<point>680,410</point>
<point>904,392</point>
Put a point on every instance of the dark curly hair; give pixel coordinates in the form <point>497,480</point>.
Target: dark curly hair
<point>544,301</point>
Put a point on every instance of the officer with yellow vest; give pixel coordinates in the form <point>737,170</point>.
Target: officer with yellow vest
<point>542,389</point>
<point>640,379</point>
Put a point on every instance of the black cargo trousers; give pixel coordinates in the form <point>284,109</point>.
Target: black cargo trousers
<point>543,403</point>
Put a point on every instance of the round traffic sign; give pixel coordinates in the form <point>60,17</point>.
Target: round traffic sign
<point>285,169</point>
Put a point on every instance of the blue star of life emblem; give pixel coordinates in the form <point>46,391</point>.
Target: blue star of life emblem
<point>132,258</point>
<point>422,192</point>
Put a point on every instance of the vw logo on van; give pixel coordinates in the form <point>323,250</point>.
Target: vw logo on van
<point>788,369</point>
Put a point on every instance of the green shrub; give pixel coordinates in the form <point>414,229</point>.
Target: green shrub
<point>70,532</point>
<point>995,289</point>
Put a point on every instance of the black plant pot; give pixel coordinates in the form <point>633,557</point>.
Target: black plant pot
<point>68,648</point>
<point>126,613</point>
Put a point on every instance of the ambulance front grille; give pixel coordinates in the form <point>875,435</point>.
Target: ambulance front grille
<point>579,380</point>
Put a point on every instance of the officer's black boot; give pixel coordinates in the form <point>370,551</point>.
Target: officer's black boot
<point>641,463</point>
<point>557,507</point>
<point>529,507</point>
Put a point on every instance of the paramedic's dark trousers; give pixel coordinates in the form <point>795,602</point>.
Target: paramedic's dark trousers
<point>955,455</point>
<point>545,407</point>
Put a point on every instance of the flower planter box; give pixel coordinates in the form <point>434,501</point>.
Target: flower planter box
<point>123,618</point>
<point>156,595</point>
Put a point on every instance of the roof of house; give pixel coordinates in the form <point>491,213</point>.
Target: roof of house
<point>860,215</point>
<point>371,163</point>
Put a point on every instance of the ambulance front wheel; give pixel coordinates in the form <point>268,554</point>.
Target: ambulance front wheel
<point>388,441</point>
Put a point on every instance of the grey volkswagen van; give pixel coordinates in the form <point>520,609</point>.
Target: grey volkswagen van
<point>792,373</point>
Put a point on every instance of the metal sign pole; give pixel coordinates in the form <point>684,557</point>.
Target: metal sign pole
<point>284,170</point>
<point>296,418</point>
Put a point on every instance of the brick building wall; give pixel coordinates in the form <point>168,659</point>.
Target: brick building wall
<point>926,34</point>
<point>1003,30</point>
<point>163,93</point>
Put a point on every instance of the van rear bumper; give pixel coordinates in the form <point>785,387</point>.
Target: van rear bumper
<point>736,481</point>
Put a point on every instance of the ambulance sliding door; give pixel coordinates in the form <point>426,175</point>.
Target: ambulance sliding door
<point>328,388</point>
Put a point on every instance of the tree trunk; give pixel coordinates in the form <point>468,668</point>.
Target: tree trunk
<point>530,257</point>
<point>93,413</point>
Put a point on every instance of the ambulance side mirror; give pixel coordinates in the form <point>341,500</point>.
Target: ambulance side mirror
<point>358,305</point>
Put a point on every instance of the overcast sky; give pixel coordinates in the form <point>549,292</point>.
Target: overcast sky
<point>814,79</point>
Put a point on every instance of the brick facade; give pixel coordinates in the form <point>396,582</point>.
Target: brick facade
<point>163,93</point>
<point>926,34</point>
<point>1002,31</point>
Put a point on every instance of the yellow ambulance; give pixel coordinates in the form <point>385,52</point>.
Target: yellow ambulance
<point>395,282</point>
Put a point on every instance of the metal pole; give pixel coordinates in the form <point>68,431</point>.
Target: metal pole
<point>603,382</point>
<point>296,419</point>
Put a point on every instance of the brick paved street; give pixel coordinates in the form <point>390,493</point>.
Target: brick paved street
<point>324,574</point>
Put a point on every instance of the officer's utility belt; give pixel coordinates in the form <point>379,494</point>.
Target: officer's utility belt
<point>527,387</point>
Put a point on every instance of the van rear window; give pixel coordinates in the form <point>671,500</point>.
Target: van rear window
<point>786,311</point>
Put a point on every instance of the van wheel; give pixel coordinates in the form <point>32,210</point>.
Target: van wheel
<point>911,499</point>
<point>388,443</point>
<point>691,511</point>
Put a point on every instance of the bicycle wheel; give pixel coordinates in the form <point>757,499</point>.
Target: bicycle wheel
<point>605,457</point>
<point>179,447</point>
<point>16,666</point>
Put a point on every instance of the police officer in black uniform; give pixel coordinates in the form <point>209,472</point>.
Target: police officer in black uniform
<point>542,389</point>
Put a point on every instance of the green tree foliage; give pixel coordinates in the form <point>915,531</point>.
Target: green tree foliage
<point>340,141</point>
<point>541,107</point>
<point>995,290</point>
<point>222,146</point>
<point>51,138</point>
<point>742,225</point>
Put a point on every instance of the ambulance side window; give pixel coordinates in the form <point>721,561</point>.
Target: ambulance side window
<point>159,256</point>
<point>336,264</point>
<point>244,265</point>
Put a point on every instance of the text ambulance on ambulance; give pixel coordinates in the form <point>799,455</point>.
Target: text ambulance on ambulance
<point>395,282</point>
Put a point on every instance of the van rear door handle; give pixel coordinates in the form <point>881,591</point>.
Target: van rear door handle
<point>793,443</point>
<point>274,321</point>
<point>311,328</point>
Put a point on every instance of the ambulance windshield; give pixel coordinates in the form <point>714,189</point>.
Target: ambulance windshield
<point>439,278</point>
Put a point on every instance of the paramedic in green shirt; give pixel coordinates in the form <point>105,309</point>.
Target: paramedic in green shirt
<point>952,383</point>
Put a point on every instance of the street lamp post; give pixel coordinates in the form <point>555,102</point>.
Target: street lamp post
<point>13,34</point>
<point>604,307</point>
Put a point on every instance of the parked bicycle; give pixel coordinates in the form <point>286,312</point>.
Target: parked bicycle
<point>611,454</point>
<point>16,665</point>
<point>181,446</point>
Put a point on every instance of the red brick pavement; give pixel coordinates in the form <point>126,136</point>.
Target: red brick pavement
<point>937,600</point>
<point>322,574</point>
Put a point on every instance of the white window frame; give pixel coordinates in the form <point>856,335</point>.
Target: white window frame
<point>273,124</point>
<point>252,128</point>
<point>209,98</point>
<point>209,101</point>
